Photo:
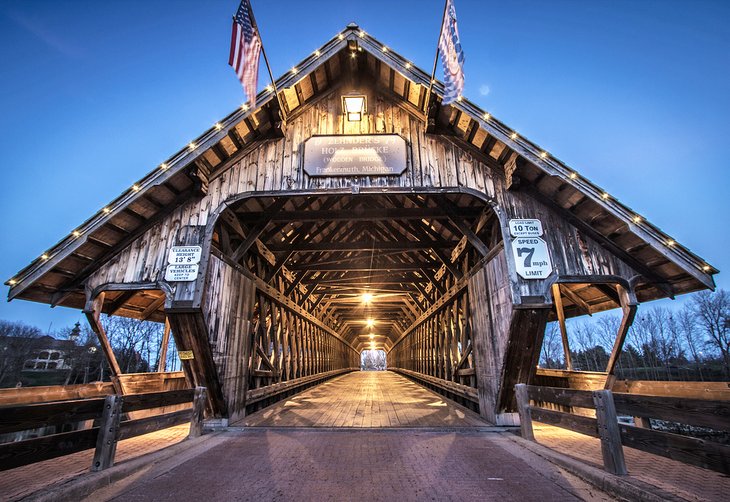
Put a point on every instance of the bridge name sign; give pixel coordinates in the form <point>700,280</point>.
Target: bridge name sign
<point>355,155</point>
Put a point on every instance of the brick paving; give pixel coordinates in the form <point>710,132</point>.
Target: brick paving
<point>677,478</point>
<point>352,463</point>
<point>22,481</point>
<point>357,465</point>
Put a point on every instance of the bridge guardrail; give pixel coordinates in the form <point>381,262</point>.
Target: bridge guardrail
<point>107,412</point>
<point>614,435</point>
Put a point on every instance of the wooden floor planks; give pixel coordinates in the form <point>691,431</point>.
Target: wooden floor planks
<point>365,399</point>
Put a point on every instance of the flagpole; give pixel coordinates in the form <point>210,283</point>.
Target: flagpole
<point>266,60</point>
<point>436,57</point>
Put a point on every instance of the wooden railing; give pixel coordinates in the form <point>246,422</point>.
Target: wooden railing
<point>614,435</point>
<point>263,396</point>
<point>461,393</point>
<point>108,428</point>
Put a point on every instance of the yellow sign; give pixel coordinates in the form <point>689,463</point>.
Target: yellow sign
<point>185,354</point>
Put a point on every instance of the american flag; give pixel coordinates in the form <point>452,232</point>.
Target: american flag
<point>245,50</point>
<point>452,57</point>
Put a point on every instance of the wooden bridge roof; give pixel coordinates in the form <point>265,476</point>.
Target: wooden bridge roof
<point>56,277</point>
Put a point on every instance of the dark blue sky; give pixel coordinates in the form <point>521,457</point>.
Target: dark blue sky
<point>632,94</point>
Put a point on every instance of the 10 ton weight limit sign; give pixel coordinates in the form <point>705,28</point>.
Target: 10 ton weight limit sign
<point>532,260</point>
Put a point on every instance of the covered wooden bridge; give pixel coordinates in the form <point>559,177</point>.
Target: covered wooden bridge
<point>288,238</point>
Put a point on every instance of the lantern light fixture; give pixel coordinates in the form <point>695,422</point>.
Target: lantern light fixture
<point>354,107</point>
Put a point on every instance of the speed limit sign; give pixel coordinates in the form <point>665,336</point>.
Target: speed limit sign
<point>532,259</point>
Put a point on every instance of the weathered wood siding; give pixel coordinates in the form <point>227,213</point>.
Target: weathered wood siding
<point>491,311</point>
<point>227,307</point>
<point>432,162</point>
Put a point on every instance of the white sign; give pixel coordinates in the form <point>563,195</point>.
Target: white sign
<point>531,257</point>
<point>184,254</point>
<point>181,273</point>
<point>525,228</point>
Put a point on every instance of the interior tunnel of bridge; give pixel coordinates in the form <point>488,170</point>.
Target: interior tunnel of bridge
<point>298,286</point>
<point>368,266</point>
<point>365,264</point>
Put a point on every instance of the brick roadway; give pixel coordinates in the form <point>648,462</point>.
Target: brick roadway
<point>22,481</point>
<point>685,481</point>
<point>342,465</point>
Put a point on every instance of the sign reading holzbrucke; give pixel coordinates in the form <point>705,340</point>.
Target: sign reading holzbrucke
<point>356,155</point>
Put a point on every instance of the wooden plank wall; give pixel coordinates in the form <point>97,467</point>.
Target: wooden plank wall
<point>227,307</point>
<point>432,162</point>
<point>491,308</point>
<point>440,345</point>
<point>257,342</point>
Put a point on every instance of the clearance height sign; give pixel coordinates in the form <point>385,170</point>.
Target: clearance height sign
<point>532,259</point>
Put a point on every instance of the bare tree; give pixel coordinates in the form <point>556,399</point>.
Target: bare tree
<point>136,343</point>
<point>552,347</point>
<point>713,316</point>
<point>693,339</point>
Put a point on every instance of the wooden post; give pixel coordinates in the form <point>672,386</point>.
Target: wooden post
<point>609,433</point>
<point>628,307</point>
<point>163,347</point>
<point>196,420</point>
<point>106,441</point>
<point>558,298</point>
<point>93,315</point>
<point>642,422</point>
<point>523,407</point>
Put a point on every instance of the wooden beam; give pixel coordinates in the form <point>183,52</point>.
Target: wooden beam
<point>458,220</point>
<point>404,245</point>
<point>152,308</point>
<point>93,315</point>
<point>361,213</point>
<point>629,312</point>
<point>558,298</point>
<point>579,302</point>
<point>163,347</point>
<point>119,302</point>
<point>258,228</point>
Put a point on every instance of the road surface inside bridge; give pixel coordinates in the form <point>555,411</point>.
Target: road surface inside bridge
<point>363,436</point>
<point>366,399</point>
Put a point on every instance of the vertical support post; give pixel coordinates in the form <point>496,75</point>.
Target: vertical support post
<point>523,407</point>
<point>163,347</point>
<point>106,441</point>
<point>558,298</point>
<point>93,314</point>
<point>642,422</point>
<point>628,307</point>
<point>196,420</point>
<point>609,433</point>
